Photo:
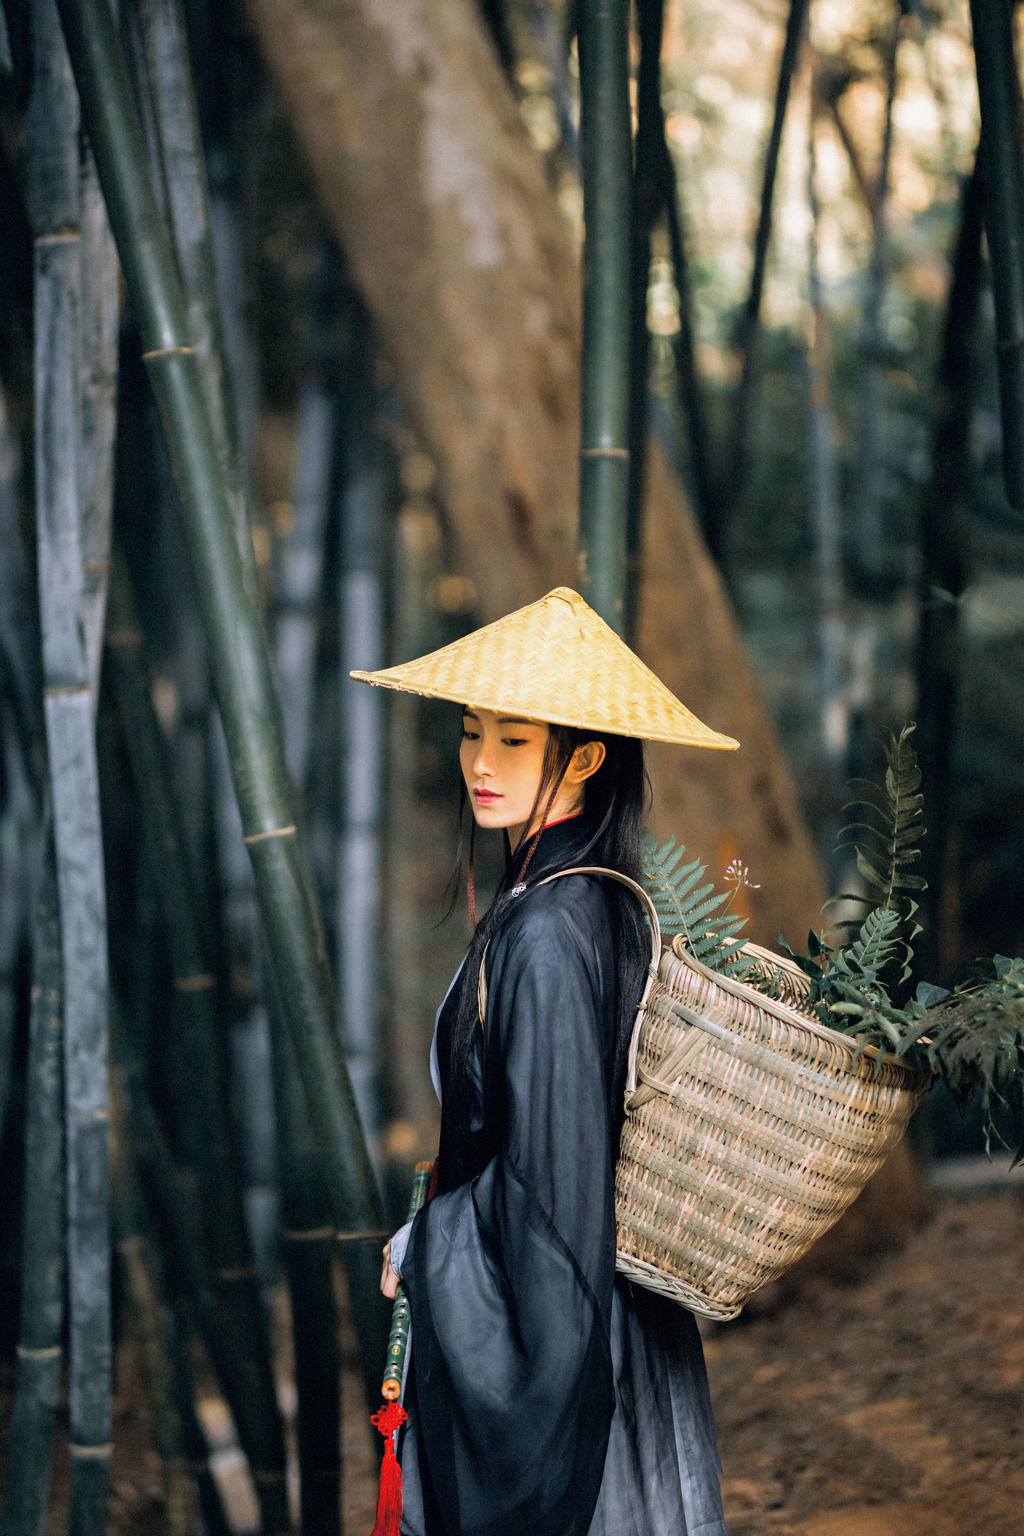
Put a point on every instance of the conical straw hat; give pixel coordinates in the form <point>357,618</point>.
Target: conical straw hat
<point>557,661</point>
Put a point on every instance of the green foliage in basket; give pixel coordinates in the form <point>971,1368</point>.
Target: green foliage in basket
<point>972,1037</point>
<point>685,905</point>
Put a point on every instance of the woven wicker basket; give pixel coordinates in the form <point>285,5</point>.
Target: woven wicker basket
<point>750,1128</point>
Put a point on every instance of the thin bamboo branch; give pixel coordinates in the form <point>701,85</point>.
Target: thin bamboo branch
<point>604,439</point>
<point>1002,162</point>
<point>238,649</point>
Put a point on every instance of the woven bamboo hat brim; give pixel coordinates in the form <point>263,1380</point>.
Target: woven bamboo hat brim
<point>556,661</point>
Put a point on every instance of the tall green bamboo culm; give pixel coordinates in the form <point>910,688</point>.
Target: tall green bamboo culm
<point>179,170</point>
<point>1002,164</point>
<point>196,1017</point>
<point>41,1317</point>
<point>53,174</point>
<point>604,441</point>
<point>238,649</point>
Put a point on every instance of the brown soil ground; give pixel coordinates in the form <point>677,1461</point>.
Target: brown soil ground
<point>887,1405</point>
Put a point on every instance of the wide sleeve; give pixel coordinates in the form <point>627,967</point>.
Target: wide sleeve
<point>510,1275</point>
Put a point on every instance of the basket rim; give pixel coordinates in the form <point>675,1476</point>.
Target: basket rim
<point>789,1015</point>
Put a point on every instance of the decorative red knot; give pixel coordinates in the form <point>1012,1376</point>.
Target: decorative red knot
<point>389,1418</point>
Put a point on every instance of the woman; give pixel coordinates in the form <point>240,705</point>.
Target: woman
<point>546,1397</point>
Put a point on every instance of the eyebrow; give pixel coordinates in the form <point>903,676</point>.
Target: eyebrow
<point>470,714</point>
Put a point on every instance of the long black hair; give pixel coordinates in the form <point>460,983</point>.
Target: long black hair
<point>615,801</point>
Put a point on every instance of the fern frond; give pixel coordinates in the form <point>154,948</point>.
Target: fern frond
<point>687,906</point>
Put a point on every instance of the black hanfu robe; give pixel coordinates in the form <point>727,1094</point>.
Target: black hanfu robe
<point>547,1397</point>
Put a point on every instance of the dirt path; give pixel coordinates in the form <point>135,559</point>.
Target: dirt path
<point>892,1407</point>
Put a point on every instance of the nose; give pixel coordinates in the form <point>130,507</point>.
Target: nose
<point>482,765</point>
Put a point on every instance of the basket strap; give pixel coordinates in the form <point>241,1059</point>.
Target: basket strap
<point>652,970</point>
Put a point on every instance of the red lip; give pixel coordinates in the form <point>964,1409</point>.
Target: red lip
<point>485,796</point>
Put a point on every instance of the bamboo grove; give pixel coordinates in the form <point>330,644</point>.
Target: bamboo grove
<point>201,828</point>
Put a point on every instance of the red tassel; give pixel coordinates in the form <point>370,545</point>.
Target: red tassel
<point>389,1495</point>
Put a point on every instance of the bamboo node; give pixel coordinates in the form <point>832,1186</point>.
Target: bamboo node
<point>309,1235</point>
<point>261,837</point>
<point>149,357</point>
<point>267,1478</point>
<point>72,691</point>
<point>91,1452</point>
<point>604,453</point>
<point>242,1272</point>
<point>52,1353</point>
<point>1009,343</point>
<point>362,1237</point>
<point>65,236</point>
<point>202,981</point>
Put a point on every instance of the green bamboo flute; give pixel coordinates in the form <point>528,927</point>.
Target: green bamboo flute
<point>398,1341</point>
<point>391,1415</point>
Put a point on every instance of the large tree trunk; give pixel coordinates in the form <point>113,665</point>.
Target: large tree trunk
<point>456,241</point>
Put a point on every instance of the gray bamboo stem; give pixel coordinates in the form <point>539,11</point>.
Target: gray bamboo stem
<point>42,1314</point>
<point>604,439</point>
<point>68,711</point>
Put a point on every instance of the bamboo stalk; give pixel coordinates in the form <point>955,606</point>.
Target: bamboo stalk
<point>41,1318</point>
<point>238,649</point>
<point>178,151</point>
<point>604,440</point>
<point>100,324</point>
<point>1002,162</point>
<point>142,1276</point>
<point>648,198</point>
<point>746,393</point>
<point>196,1014</point>
<point>307,1245</point>
<point>217,1328</point>
<point>361,645</point>
<point>68,710</point>
<point>826,531</point>
<point>945,534</point>
<point>867,501</point>
<point>299,553</point>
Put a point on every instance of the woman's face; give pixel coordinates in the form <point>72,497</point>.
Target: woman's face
<point>502,760</point>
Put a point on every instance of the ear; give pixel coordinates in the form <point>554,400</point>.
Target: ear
<point>585,761</point>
